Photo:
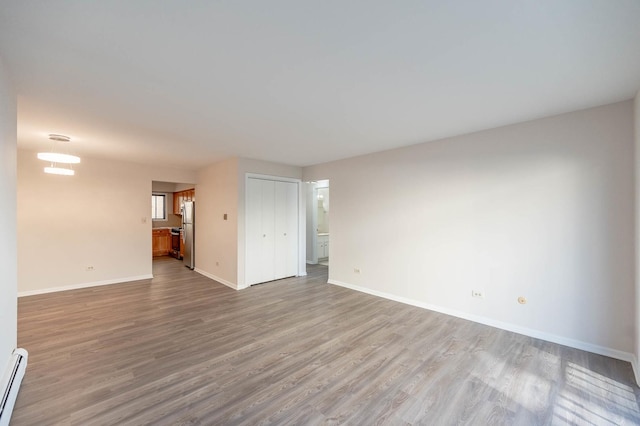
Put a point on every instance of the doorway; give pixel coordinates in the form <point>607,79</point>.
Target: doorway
<point>318,222</point>
<point>167,235</point>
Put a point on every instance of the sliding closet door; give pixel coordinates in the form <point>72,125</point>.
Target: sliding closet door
<point>286,215</point>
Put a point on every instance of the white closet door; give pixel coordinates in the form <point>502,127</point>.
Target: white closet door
<point>260,231</point>
<point>253,230</point>
<point>286,229</point>
<point>268,253</point>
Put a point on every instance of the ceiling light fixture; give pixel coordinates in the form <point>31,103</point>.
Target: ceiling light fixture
<point>58,157</point>
<point>59,171</point>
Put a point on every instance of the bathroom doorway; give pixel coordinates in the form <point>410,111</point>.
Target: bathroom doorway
<point>318,222</point>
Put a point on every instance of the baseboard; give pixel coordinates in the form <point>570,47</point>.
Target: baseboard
<point>10,384</point>
<point>561,340</point>
<point>216,278</point>
<point>84,285</point>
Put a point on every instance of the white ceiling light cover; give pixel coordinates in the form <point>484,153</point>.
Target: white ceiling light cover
<point>59,171</point>
<point>56,157</point>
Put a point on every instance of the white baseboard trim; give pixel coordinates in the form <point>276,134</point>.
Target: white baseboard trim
<point>84,285</point>
<point>561,340</point>
<point>216,278</point>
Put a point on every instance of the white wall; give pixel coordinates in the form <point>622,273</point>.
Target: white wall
<point>8,283</point>
<point>542,209</point>
<point>100,217</point>
<point>183,186</point>
<point>220,243</point>
<point>166,187</point>
<point>216,239</point>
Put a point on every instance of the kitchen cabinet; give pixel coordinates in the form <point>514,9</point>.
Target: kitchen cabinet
<point>161,242</point>
<point>180,197</point>
<point>322,246</point>
<point>176,202</point>
<point>271,230</point>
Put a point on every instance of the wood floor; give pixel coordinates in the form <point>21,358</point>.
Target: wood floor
<point>182,349</point>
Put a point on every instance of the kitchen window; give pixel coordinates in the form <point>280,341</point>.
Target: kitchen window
<point>158,207</point>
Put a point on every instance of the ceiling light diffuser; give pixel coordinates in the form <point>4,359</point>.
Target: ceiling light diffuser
<point>57,157</point>
<point>59,171</point>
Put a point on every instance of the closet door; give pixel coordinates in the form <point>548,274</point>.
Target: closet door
<point>286,229</point>
<point>260,230</point>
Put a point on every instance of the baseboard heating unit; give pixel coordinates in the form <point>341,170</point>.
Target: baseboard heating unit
<point>11,384</point>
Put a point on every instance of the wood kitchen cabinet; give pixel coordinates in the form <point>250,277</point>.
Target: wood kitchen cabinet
<point>161,242</point>
<point>177,202</point>
<point>182,196</point>
<point>190,195</point>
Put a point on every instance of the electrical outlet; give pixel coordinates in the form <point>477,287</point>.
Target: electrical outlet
<point>356,270</point>
<point>477,293</point>
<point>89,268</point>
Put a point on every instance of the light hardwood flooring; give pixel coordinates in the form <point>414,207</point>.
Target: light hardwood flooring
<point>182,349</point>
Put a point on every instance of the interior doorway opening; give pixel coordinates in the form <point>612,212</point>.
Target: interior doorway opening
<point>167,234</point>
<point>318,222</point>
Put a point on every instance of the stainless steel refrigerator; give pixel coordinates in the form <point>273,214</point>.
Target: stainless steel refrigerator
<point>188,222</point>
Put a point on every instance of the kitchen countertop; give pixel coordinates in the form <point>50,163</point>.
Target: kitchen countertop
<point>166,228</point>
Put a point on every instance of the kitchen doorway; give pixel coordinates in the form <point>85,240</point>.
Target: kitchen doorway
<point>167,236</point>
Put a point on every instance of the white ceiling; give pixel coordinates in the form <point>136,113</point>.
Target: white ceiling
<point>303,82</point>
